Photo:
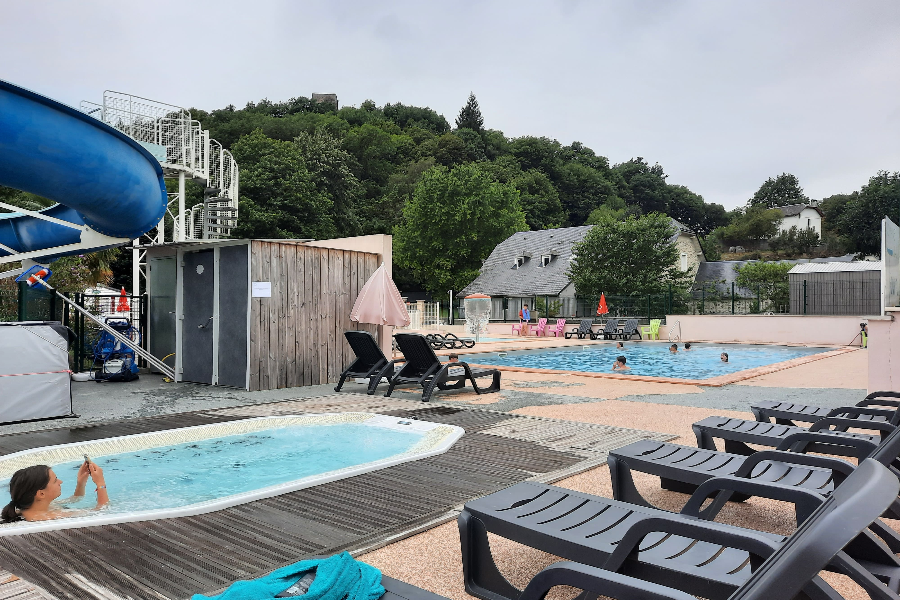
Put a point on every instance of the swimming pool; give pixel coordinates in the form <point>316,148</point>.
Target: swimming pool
<point>650,359</point>
<point>200,469</point>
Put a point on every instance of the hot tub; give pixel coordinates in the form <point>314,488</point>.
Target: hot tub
<point>194,470</point>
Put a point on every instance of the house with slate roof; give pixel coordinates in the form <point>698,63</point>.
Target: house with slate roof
<point>801,216</point>
<point>532,265</point>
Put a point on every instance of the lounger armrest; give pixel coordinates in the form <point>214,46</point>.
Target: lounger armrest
<point>754,542</point>
<point>805,501</point>
<point>842,469</point>
<point>851,412</point>
<point>881,394</point>
<point>864,447</point>
<point>597,581</point>
<point>824,424</point>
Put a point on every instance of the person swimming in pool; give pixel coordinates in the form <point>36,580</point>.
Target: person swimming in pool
<point>724,357</point>
<point>687,346</point>
<point>620,345</point>
<point>620,365</point>
<point>34,492</point>
<point>673,348</point>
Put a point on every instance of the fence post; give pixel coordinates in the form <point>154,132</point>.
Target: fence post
<point>648,309</point>
<point>804,296</point>
<point>703,300</point>
<point>732,297</point>
<point>758,299</point>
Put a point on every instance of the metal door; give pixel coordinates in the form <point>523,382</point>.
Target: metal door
<point>198,303</point>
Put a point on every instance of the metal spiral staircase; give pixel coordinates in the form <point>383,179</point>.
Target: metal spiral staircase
<point>185,151</point>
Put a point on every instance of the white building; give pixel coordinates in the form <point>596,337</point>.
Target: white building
<point>801,216</point>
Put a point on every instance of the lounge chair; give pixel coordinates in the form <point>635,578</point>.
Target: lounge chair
<point>651,330</point>
<point>521,326</point>
<point>423,367</point>
<point>449,341</point>
<point>540,327</point>
<point>785,413</point>
<point>630,329</point>
<point>737,433</point>
<point>610,331</point>
<point>370,363</point>
<point>681,551</point>
<point>683,468</point>
<point>583,330</point>
<point>558,329</point>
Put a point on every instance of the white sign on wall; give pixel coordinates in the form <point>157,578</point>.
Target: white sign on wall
<point>890,256</point>
<point>261,289</point>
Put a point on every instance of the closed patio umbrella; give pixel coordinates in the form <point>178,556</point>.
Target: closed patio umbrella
<point>379,302</point>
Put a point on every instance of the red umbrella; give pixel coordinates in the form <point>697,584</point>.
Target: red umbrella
<point>601,306</point>
<point>122,306</point>
<point>379,302</point>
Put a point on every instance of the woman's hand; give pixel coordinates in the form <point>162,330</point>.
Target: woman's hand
<point>81,479</point>
<point>97,474</point>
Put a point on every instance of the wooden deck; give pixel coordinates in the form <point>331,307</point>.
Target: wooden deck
<point>175,558</point>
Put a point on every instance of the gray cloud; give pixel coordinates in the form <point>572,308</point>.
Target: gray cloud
<point>723,94</point>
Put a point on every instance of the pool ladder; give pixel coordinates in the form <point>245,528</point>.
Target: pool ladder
<point>672,330</point>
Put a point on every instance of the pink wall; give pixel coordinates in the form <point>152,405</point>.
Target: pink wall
<point>779,329</point>
<point>884,349</point>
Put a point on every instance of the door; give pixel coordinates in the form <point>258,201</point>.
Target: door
<point>198,303</point>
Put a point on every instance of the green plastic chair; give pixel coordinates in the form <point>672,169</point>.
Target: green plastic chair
<point>651,331</point>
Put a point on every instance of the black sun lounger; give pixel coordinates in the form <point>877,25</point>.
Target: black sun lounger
<point>630,329</point>
<point>370,363</point>
<point>786,413</point>
<point>706,559</point>
<point>737,433</point>
<point>610,331</point>
<point>582,331</point>
<point>682,468</point>
<point>424,368</point>
<point>449,341</point>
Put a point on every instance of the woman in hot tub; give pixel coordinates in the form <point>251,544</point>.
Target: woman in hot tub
<point>34,490</point>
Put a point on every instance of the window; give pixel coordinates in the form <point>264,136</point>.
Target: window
<point>546,259</point>
<point>684,263</point>
<point>519,262</point>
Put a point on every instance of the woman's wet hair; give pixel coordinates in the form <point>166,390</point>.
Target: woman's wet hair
<point>724,356</point>
<point>687,345</point>
<point>621,359</point>
<point>23,487</point>
<point>675,346</point>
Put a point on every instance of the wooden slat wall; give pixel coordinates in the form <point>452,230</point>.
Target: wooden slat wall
<point>297,335</point>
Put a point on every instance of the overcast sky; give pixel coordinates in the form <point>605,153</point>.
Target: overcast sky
<point>723,94</point>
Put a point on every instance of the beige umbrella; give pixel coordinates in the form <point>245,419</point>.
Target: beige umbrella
<point>379,302</point>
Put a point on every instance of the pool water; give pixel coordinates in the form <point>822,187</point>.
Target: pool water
<point>701,362</point>
<point>188,473</point>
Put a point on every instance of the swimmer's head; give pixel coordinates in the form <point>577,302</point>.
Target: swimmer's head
<point>621,360</point>
<point>673,348</point>
<point>26,484</point>
<point>724,357</point>
<point>687,345</point>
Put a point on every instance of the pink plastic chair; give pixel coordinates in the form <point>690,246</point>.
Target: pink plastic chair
<point>558,329</point>
<point>520,327</point>
<point>540,327</point>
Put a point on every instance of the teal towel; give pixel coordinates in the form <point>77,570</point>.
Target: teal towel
<point>337,577</point>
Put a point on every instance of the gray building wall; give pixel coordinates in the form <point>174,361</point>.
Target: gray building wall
<point>836,293</point>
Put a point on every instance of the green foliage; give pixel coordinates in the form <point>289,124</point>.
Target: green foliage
<point>79,272</point>
<point>424,118</point>
<point>794,242</point>
<point>779,191</point>
<point>751,226</point>
<point>857,218</point>
<point>539,200</point>
<point>470,116</point>
<point>331,171</point>
<point>452,223</point>
<point>25,200</point>
<point>711,249</point>
<point>628,257</point>
<point>767,279</point>
<point>547,309</point>
<point>279,198</point>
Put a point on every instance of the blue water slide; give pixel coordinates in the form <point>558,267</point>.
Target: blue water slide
<point>99,176</point>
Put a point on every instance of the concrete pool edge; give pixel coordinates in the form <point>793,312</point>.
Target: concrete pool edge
<point>437,439</point>
<point>718,381</point>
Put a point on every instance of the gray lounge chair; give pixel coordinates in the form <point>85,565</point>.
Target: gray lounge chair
<point>785,413</point>
<point>682,468</point>
<point>630,329</point>
<point>737,433</point>
<point>583,330</point>
<point>423,367</point>
<point>610,331</point>
<point>681,551</point>
<point>370,363</point>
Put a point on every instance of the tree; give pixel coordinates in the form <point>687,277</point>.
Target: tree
<point>779,191</point>
<point>860,222</point>
<point>750,226</point>
<point>645,185</point>
<point>453,222</point>
<point>581,190</point>
<point>769,280</point>
<point>279,198</point>
<point>631,257</point>
<point>794,241</point>
<point>539,200</point>
<point>470,116</point>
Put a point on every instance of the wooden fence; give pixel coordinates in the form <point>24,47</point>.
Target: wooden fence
<point>297,335</point>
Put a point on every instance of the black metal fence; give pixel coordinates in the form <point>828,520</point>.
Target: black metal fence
<point>711,299</point>
<point>23,303</point>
